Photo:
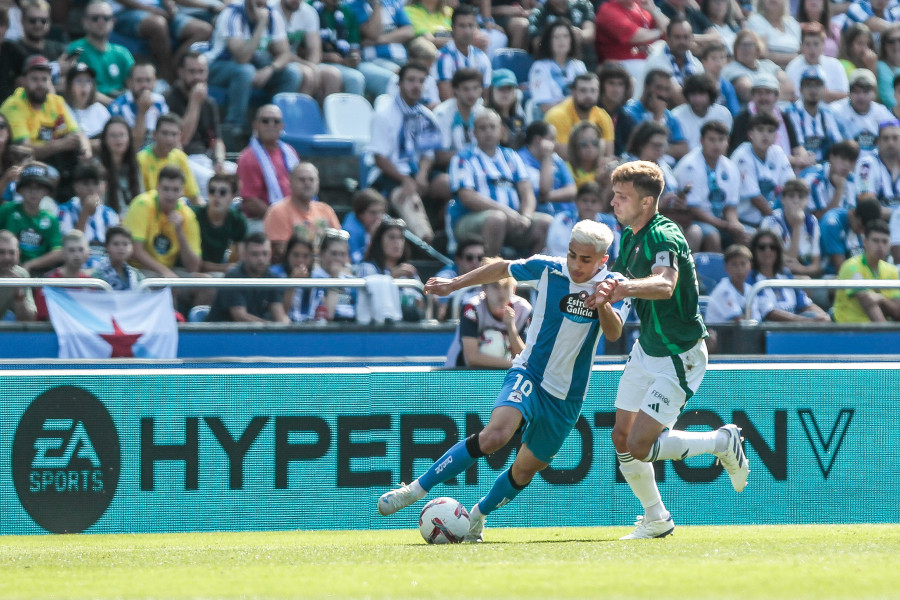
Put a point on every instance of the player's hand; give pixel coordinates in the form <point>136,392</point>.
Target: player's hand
<point>605,292</point>
<point>439,286</point>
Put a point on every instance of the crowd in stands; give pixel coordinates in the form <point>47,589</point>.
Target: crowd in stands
<point>776,124</point>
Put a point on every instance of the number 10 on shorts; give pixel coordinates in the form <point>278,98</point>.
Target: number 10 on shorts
<point>524,390</point>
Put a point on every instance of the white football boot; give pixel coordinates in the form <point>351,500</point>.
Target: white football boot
<point>645,530</point>
<point>476,528</point>
<point>392,501</point>
<point>733,458</point>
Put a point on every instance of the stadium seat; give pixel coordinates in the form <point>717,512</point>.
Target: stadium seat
<point>710,270</point>
<point>702,303</point>
<point>381,100</point>
<point>516,60</point>
<point>349,115</point>
<point>304,128</point>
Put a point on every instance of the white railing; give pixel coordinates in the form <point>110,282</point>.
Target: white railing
<point>815,284</point>
<point>69,282</point>
<point>276,282</point>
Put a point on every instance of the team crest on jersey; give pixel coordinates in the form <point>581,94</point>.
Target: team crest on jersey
<point>573,308</point>
<point>515,396</point>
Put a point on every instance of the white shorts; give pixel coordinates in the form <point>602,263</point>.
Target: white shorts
<point>660,385</point>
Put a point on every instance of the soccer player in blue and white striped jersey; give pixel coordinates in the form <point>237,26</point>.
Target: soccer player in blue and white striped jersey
<point>546,386</point>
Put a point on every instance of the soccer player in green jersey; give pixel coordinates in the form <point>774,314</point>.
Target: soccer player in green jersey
<point>669,358</point>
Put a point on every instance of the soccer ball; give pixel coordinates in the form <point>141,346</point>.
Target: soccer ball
<point>444,521</point>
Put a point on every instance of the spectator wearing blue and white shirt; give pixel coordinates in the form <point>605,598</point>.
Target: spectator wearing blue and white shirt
<point>456,116</point>
<point>249,49</point>
<point>140,106</point>
<point>493,198</point>
<point>832,184</point>
<point>862,11</point>
<point>815,124</point>
<point>859,114</point>
<point>879,172</point>
<point>551,179</point>
<point>552,74</point>
<point>653,106</point>
<point>798,230</point>
<point>87,212</point>
<point>385,28</point>
<point>674,55</point>
<point>459,52</point>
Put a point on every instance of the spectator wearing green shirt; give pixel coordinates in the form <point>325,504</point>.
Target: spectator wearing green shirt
<point>111,62</point>
<point>37,230</point>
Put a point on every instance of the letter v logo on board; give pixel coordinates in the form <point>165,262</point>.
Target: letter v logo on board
<point>825,450</point>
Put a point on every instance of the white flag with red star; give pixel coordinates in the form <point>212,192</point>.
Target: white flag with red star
<point>130,324</point>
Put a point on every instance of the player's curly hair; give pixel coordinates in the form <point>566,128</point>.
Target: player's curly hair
<point>647,178</point>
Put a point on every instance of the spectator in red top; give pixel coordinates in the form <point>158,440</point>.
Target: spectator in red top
<point>625,28</point>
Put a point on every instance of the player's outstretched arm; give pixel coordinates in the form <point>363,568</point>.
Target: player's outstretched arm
<point>489,273</point>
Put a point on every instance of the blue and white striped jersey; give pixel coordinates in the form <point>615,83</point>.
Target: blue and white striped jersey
<point>450,59</point>
<point>495,177</point>
<point>563,336</point>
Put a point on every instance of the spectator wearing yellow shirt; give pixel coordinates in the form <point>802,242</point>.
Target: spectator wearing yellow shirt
<point>40,119</point>
<point>869,305</point>
<point>165,229</point>
<point>580,106</point>
<point>164,151</point>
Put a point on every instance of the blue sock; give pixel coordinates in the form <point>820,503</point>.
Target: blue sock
<point>456,460</point>
<point>503,491</point>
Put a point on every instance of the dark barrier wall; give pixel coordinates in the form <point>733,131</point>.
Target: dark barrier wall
<point>230,449</point>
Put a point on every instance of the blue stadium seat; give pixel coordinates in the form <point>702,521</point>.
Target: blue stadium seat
<point>710,270</point>
<point>304,128</point>
<point>516,60</point>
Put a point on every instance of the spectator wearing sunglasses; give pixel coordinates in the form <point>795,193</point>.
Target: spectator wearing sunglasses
<point>223,228</point>
<point>35,28</point>
<point>468,256</point>
<point>111,62</point>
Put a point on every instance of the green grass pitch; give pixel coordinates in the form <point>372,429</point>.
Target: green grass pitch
<point>722,563</point>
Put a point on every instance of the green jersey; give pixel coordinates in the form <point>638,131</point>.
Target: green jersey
<point>38,235</point>
<point>674,325</point>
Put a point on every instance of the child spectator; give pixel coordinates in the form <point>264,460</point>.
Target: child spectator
<point>369,208</point>
<point>491,326</point>
<point>764,168</point>
<point>729,298</point>
<point>301,303</point>
<point>588,207</point>
<point>37,230</point>
<point>223,227</point>
<point>114,268</point>
<point>334,259</point>
<point>714,57</point>
<point>75,254</point>
<point>832,184</point>
<point>18,302</point>
<point>798,230</point>
<point>86,211</point>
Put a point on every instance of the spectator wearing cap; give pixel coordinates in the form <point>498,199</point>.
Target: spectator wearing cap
<point>40,119</point>
<point>812,49</point>
<point>814,121</point>
<point>503,97</point>
<point>81,97</point>
<point>12,58</point>
<point>700,93</point>
<point>111,62</point>
<point>764,98</point>
<point>86,212</point>
<point>580,106</point>
<point>888,65</point>
<point>36,229</point>
<point>859,114</point>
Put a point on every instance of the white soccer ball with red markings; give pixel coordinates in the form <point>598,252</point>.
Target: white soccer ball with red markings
<point>444,521</point>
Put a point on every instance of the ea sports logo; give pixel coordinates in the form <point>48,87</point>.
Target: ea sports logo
<point>66,460</point>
